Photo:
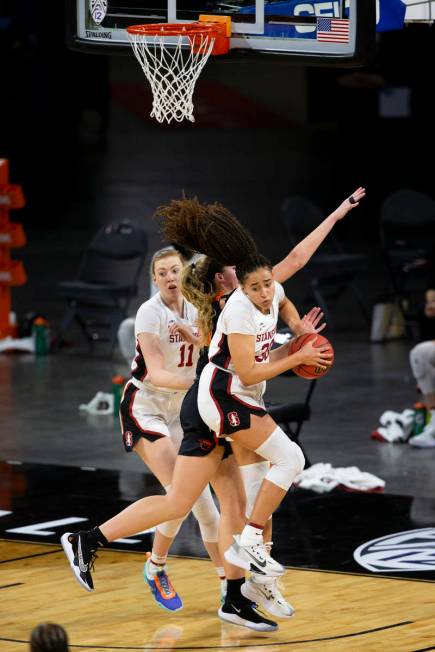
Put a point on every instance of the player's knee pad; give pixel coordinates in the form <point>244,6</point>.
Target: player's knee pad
<point>286,459</point>
<point>170,529</point>
<point>253,476</point>
<point>207,515</point>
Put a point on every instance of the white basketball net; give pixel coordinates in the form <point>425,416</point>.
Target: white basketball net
<point>172,71</point>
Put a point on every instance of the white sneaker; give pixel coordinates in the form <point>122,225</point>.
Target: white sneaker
<point>265,592</point>
<point>253,558</point>
<point>426,439</point>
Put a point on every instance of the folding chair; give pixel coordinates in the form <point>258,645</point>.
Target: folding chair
<point>331,270</point>
<point>107,280</point>
<point>407,234</point>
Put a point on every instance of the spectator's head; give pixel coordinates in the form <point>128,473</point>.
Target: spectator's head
<point>49,637</point>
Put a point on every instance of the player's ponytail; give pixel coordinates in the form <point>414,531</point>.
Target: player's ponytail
<point>209,229</point>
<point>197,286</point>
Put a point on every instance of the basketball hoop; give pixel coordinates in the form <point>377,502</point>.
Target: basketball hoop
<point>172,57</point>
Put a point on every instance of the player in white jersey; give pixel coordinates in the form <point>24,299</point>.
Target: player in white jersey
<point>162,370</point>
<point>201,458</point>
<point>230,396</point>
<point>241,314</point>
<point>148,409</point>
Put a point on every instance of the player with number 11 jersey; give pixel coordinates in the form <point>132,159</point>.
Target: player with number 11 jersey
<point>156,409</point>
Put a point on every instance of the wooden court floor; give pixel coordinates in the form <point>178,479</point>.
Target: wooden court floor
<point>334,611</point>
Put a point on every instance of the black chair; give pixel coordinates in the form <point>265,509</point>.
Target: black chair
<point>292,416</point>
<point>407,234</point>
<point>331,270</point>
<point>107,280</point>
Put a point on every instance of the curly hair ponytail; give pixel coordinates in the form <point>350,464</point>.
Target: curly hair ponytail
<point>209,229</point>
<point>212,230</point>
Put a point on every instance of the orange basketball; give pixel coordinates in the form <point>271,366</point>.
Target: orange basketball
<point>310,371</point>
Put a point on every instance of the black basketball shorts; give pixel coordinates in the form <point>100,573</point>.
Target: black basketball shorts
<point>198,439</point>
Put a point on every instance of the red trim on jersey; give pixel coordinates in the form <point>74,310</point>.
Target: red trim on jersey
<point>219,352</point>
<point>138,357</point>
<point>221,414</point>
<point>120,411</point>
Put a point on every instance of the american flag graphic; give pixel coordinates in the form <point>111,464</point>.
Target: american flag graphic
<point>332,30</point>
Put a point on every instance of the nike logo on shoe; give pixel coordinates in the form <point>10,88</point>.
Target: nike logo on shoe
<point>262,564</point>
<point>83,567</point>
<point>235,609</point>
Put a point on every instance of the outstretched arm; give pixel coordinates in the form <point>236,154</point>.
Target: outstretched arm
<point>301,254</point>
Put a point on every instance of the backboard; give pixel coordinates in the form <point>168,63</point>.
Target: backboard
<point>337,32</point>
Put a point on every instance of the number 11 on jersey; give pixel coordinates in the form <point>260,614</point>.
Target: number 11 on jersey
<point>186,360</point>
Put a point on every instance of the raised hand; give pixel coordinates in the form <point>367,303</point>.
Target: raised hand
<point>349,203</point>
<point>310,322</point>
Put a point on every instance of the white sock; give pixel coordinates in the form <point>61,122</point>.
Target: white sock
<point>251,536</point>
<point>220,572</point>
<point>157,563</point>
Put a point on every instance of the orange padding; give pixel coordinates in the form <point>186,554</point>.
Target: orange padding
<point>12,235</point>
<point>11,195</point>
<point>14,274</point>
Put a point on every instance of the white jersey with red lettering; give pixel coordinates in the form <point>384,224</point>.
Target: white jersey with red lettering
<point>242,317</point>
<point>155,317</point>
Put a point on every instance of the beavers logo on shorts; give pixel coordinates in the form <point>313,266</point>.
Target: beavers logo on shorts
<point>233,418</point>
<point>205,444</point>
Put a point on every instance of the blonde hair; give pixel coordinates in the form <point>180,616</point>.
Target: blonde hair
<point>165,252</point>
<point>197,286</point>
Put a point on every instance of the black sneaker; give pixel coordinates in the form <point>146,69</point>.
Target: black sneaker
<point>243,613</point>
<point>81,556</point>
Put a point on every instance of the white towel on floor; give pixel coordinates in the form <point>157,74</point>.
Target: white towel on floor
<point>395,427</point>
<point>323,478</point>
<point>102,403</point>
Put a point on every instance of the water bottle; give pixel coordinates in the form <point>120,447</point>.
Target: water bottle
<point>40,335</point>
<point>419,418</point>
<point>118,383</point>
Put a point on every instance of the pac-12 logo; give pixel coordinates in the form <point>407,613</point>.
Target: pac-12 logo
<point>233,418</point>
<point>412,550</point>
<point>98,9</point>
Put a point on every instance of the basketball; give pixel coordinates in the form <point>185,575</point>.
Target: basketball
<point>310,371</point>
